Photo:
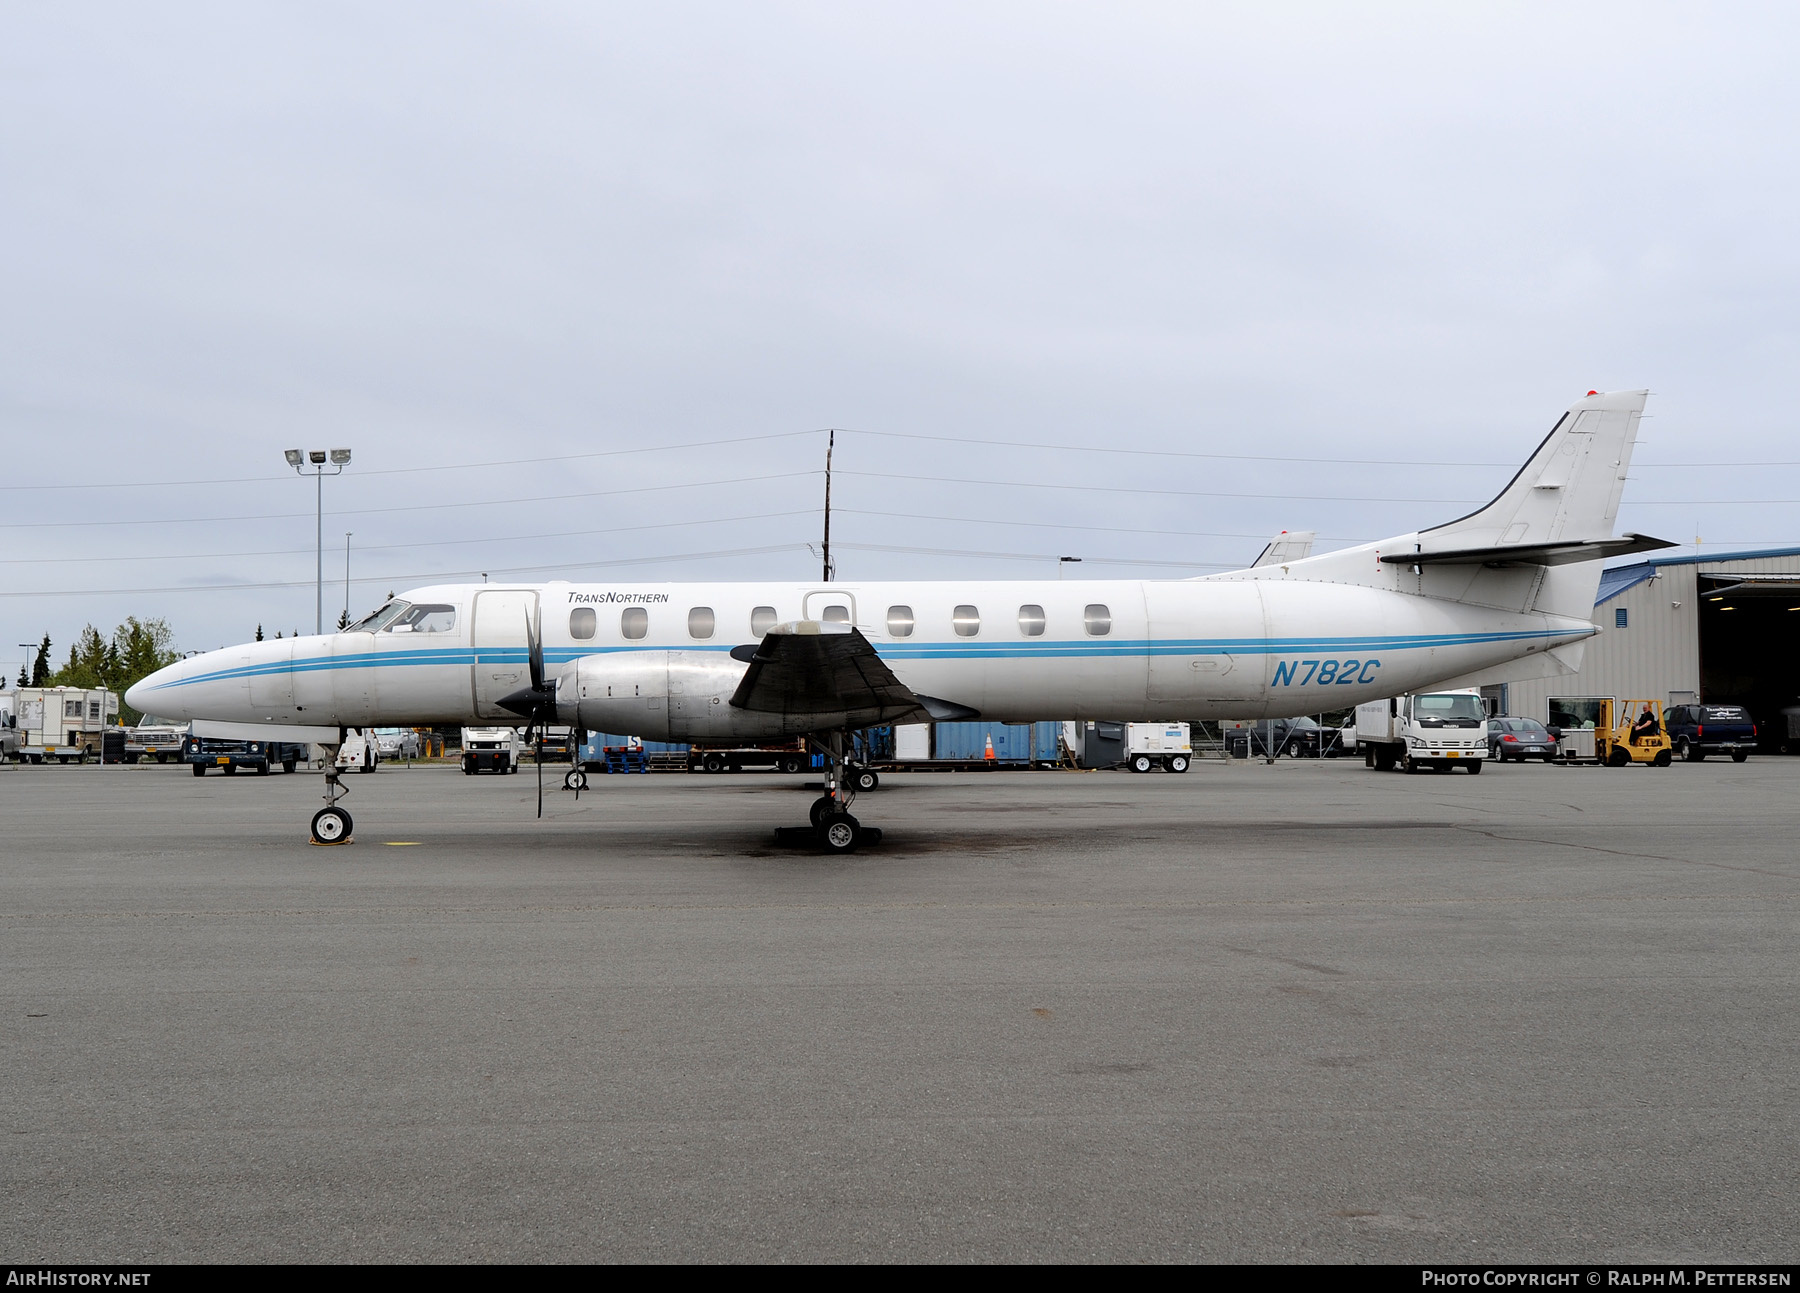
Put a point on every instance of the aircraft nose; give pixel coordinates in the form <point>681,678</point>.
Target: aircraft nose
<point>139,694</point>
<point>157,693</point>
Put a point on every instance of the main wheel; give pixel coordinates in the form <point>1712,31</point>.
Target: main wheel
<point>822,807</point>
<point>331,826</point>
<point>864,780</point>
<point>575,779</point>
<point>199,769</point>
<point>1142,763</point>
<point>1177,763</point>
<point>839,833</point>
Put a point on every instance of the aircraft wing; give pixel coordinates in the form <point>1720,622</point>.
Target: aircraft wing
<point>811,668</point>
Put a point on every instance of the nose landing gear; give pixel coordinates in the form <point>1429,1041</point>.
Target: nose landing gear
<point>331,824</point>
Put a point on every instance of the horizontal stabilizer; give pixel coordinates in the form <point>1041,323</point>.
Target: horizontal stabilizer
<point>1532,554</point>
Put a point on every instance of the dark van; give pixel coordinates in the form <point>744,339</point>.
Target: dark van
<point>1696,731</point>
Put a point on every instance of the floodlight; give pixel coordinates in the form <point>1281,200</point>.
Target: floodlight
<point>340,456</point>
<point>294,457</point>
<point>315,455</point>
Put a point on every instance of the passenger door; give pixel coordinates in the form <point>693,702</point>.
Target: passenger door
<point>502,647</point>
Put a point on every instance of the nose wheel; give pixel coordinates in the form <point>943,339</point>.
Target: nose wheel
<point>331,826</point>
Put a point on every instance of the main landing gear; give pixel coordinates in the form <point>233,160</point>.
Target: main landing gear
<point>331,824</point>
<point>833,829</point>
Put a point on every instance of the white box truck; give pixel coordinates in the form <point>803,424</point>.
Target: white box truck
<point>1434,729</point>
<point>495,749</point>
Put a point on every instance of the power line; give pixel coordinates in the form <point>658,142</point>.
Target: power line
<point>419,507</point>
<point>452,466</point>
<point>1113,451</point>
<point>1128,489</point>
<point>433,576</point>
<point>215,554</point>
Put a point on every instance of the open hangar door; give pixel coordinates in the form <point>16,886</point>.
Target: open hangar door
<point>1750,651</point>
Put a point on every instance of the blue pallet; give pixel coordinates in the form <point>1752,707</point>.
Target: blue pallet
<point>593,750</point>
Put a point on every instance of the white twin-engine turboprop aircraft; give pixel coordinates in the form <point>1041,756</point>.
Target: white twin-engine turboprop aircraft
<point>1505,592</point>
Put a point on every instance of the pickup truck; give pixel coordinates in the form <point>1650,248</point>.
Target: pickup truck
<point>204,753</point>
<point>1699,730</point>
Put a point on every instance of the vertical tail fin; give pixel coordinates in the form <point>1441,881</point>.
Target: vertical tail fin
<point>1568,492</point>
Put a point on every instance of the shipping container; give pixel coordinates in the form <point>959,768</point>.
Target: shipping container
<point>1021,743</point>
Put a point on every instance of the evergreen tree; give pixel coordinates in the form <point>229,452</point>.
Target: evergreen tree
<point>40,668</point>
<point>259,633</point>
<point>343,620</point>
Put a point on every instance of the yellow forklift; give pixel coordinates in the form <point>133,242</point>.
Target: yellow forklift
<point>1619,739</point>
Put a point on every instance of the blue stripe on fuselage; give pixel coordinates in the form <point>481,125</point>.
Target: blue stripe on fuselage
<point>952,650</point>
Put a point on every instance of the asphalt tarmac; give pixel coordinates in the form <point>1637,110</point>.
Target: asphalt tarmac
<point>1307,1012</point>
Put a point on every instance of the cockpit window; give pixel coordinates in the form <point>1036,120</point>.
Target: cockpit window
<point>375,621</point>
<point>426,617</point>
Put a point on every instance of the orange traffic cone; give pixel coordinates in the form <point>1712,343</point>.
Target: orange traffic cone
<point>990,746</point>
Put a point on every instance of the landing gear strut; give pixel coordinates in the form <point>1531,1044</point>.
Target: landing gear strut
<point>331,824</point>
<point>833,829</point>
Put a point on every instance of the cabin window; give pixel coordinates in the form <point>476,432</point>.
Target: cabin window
<point>426,617</point>
<point>1097,619</point>
<point>635,622</point>
<point>836,613</point>
<point>762,619</point>
<point>966,620</point>
<point>582,623</point>
<point>1031,621</point>
<point>900,621</point>
<point>700,622</point>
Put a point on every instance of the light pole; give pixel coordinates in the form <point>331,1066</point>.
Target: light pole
<point>316,459</point>
<point>347,534</point>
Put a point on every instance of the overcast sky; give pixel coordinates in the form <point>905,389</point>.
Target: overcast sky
<point>441,234</point>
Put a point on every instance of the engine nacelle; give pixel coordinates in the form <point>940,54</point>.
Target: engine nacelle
<point>663,696</point>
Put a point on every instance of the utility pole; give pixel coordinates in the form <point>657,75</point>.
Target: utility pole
<point>347,534</point>
<point>830,444</point>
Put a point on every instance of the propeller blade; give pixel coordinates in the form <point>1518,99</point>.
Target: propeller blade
<point>534,639</point>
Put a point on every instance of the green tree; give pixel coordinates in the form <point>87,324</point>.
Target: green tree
<point>137,649</point>
<point>40,668</point>
<point>259,633</point>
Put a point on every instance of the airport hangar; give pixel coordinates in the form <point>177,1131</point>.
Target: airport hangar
<point>1718,629</point>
